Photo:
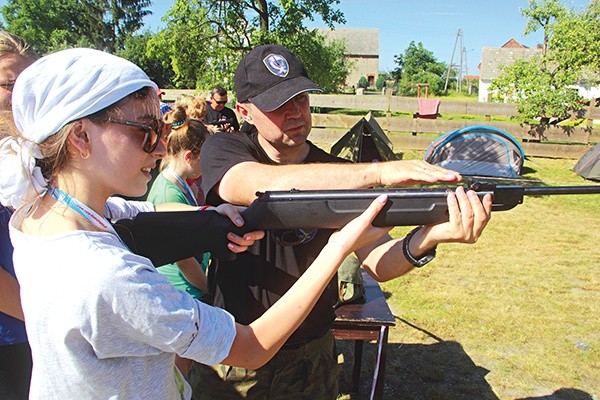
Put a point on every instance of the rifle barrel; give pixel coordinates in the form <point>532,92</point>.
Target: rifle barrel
<point>551,190</point>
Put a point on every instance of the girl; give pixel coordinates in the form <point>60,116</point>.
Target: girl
<point>181,164</point>
<point>102,322</point>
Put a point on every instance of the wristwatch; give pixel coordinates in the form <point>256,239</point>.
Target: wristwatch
<point>416,262</point>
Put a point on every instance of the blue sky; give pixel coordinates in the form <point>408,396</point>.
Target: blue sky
<point>435,23</point>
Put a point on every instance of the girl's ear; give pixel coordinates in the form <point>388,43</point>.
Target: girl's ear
<point>78,139</point>
<point>188,155</point>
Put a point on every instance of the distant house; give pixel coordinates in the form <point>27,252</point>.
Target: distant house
<point>362,49</point>
<point>494,59</point>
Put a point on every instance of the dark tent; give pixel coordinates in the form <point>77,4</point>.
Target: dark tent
<point>364,142</point>
<point>478,150</point>
<point>588,165</point>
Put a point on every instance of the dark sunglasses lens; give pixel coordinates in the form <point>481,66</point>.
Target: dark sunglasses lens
<point>153,132</point>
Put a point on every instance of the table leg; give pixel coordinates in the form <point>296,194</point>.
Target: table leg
<point>379,373</point>
<point>358,352</point>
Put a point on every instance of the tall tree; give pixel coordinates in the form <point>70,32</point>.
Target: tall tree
<point>50,25</point>
<point>125,18</point>
<point>418,65</point>
<point>544,87</point>
<point>206,39</point>
<point>135,49</point>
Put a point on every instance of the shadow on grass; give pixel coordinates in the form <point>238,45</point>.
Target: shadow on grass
<point>563,394</point>
<point>436,371</point>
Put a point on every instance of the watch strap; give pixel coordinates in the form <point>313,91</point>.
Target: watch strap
<point>422,260</point>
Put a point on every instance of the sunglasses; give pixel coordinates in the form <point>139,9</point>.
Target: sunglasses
<point>152,132</point>
<point>293,237</point>
<point>221,102</point>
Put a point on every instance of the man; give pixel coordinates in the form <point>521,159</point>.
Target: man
<point>222,118</point>
<point>271,85</point>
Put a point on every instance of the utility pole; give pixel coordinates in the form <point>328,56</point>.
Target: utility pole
<point>466,71</point>
<point>458,35</point>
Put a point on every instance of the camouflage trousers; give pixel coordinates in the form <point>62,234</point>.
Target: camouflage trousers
<point>307,373</point>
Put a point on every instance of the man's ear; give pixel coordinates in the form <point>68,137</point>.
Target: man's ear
<point>242,110</point>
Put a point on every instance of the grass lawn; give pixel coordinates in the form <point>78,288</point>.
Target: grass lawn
<point>515,316</point>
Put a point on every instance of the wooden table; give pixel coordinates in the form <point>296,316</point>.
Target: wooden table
<point>369,321</point>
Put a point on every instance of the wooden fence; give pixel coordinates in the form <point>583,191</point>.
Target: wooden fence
<point>417,134</point>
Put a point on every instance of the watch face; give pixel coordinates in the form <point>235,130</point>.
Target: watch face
<point>425,259</point>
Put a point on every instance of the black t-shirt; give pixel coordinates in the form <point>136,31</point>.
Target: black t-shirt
<point>252,283</point>
<point>225,114</point>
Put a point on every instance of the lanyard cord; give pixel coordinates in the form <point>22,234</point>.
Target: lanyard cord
<point>103,224</point>
<point>183,186</point>
<point>82,209</point>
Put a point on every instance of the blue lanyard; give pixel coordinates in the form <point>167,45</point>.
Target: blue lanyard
<point>82,209</point>
<point>183,185</point>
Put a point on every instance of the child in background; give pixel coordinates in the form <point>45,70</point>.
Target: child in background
<point>180,166</point>
<point>182,163</point>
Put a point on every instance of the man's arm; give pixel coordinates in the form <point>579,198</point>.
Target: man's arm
<point>10,298</point>
<point>241,182</point>
<point>468,216</point>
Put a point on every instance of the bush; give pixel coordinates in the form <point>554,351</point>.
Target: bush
<point>380,82</point>
<point>362,82</point>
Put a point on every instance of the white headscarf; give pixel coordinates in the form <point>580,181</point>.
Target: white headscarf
<point>55,90</point>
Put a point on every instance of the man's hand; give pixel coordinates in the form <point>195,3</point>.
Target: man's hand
<point>411,172</point>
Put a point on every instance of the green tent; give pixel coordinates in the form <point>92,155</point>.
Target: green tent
<point>365,142</point>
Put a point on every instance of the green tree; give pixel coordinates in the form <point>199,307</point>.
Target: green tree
<point>206,39</point>
<point>135,49</point>
<point>125,17</point>
<point>544,87</point>
<point>185,46</point>
<point>418,65</point>
<point>49,25</point>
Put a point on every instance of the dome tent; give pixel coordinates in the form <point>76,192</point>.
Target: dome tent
<point>588,165</point>
<point>364,142</point>
<point>478,150</point>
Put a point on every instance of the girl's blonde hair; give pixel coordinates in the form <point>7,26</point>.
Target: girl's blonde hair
<point>197,108</point>
<point>13,44</point>
<point>186,133</point>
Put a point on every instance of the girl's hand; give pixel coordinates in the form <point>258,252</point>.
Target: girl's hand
<point>360,231</point>
<point>468,216</point>
<point>238,244</point>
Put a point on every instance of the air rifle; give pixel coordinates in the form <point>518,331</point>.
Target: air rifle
<point>166,237</point>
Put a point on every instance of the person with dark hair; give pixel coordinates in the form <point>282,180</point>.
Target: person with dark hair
<point>272,87</point>
<point>221,118</point>
<point>102,322</point>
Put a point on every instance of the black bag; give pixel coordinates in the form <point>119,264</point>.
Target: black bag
<point>350,283</point>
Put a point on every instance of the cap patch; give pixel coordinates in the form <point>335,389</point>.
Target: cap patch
<point>277,65</point>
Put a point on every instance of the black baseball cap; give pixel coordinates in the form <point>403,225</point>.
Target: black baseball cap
<point>270,75</point>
